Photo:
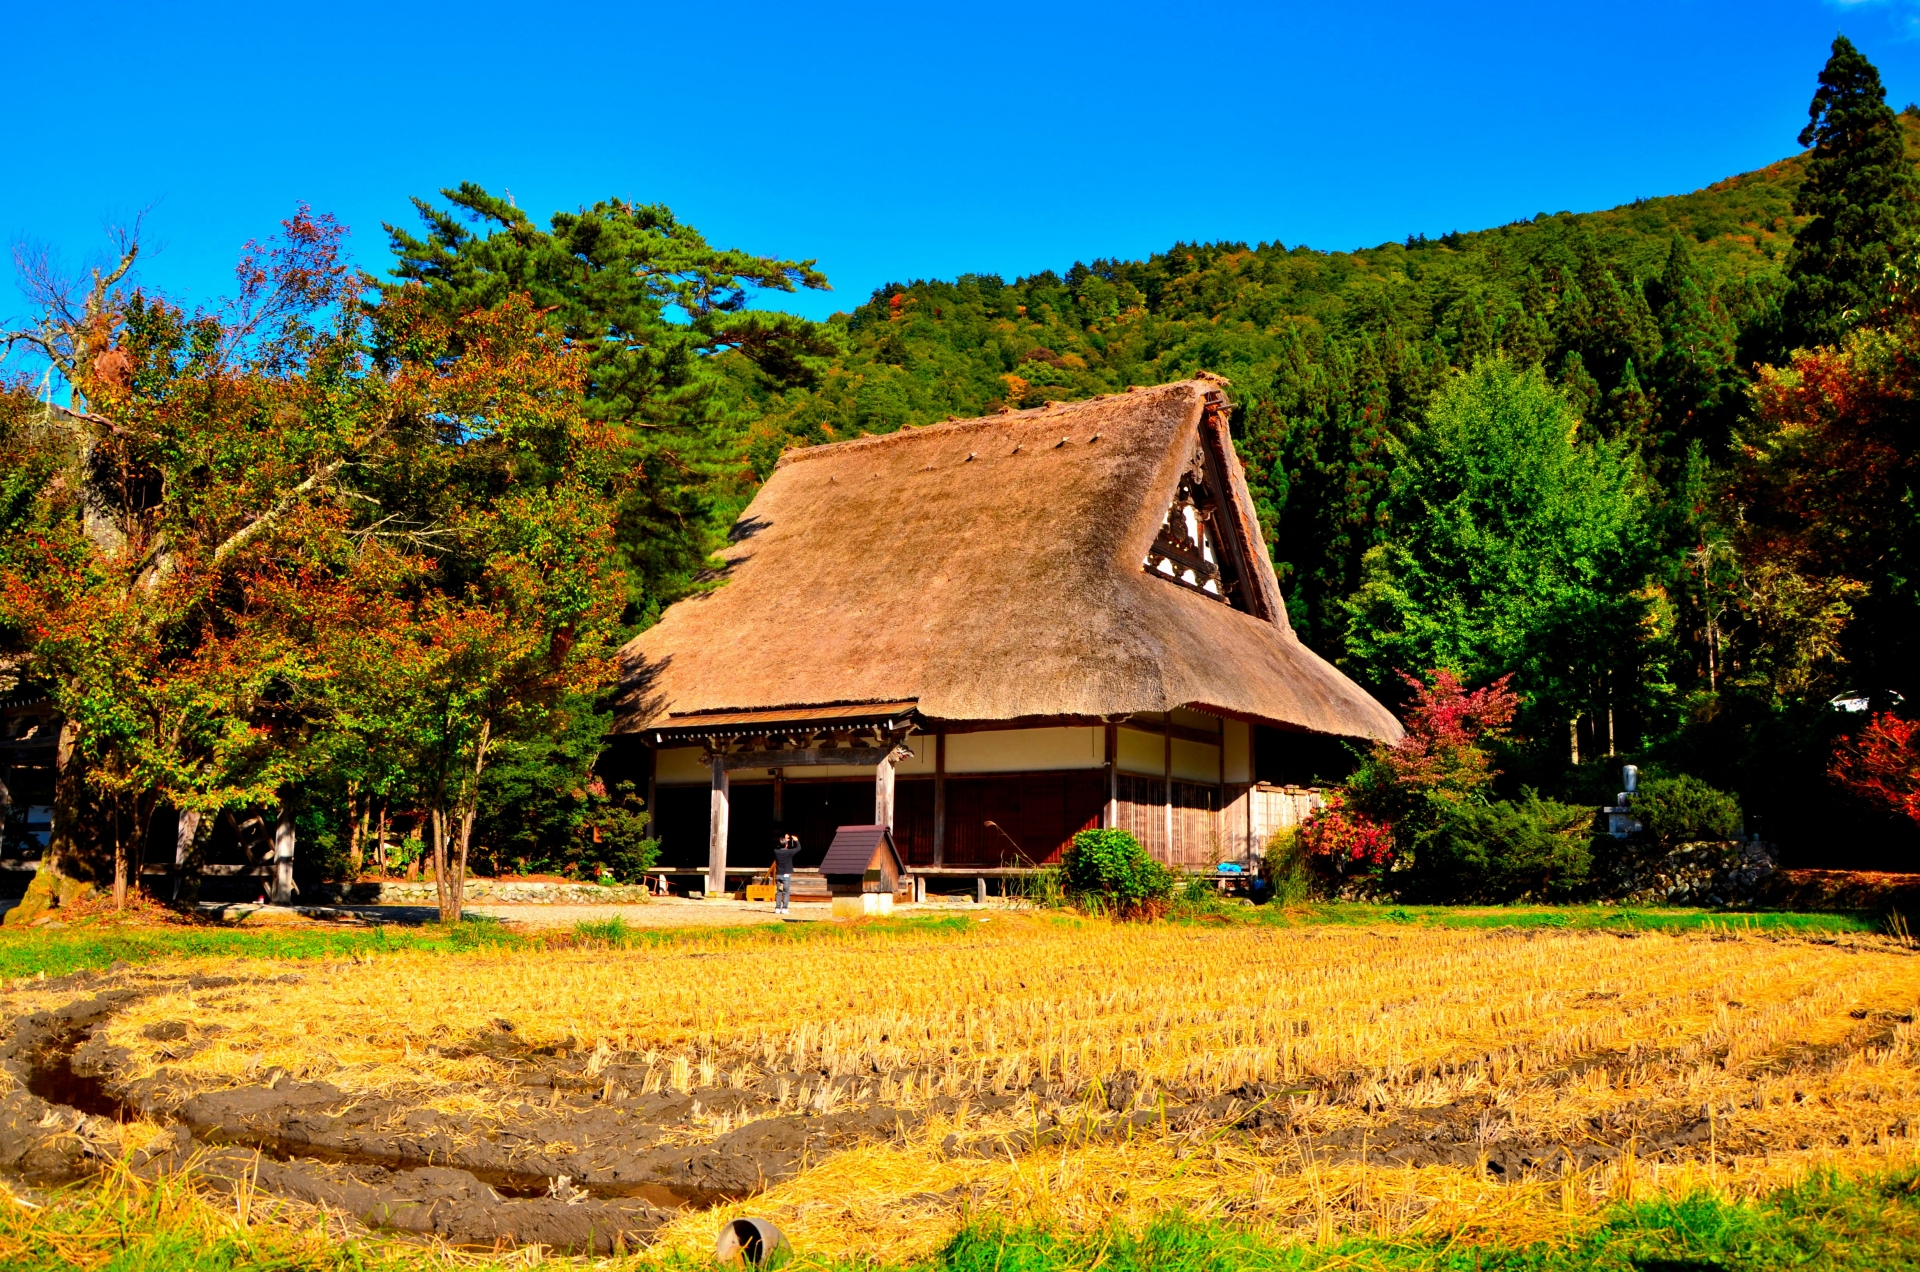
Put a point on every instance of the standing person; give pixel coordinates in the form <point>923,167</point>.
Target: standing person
<point>783,855</point>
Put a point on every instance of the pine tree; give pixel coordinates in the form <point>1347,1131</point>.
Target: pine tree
<point>1861,196</point>
<point>652,305</point>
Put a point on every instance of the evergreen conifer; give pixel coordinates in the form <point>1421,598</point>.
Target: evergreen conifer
<point>1861,196</point>
<point>1698,379</point>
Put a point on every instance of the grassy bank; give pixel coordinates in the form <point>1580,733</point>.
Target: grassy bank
<point>1824,1223</point>
<point>1606,918</point>
<point>99,943</point>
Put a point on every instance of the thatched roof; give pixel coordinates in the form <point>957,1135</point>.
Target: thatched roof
<point>992,570</point>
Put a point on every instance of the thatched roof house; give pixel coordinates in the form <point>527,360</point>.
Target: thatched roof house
<point>1066,589</point>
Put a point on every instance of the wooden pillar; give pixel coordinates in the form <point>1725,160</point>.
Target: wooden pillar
<point>883,792</point>
<point>1217,818</point>
<point>1166,736</point>
<point>283,860</point>
<point>1113,777</point>
<point>717,832</point>
<point>653,791</point>
<point>779,796</point>
<point>939,799</point>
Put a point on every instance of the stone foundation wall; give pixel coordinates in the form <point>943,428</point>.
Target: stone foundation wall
<point>1710,874</point>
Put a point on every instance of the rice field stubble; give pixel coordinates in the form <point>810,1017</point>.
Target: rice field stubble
<point>879,1088</point>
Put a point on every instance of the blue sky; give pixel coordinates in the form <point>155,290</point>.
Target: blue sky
<point>900,141</point>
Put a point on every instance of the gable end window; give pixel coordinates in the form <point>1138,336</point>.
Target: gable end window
<point>1191,548</point>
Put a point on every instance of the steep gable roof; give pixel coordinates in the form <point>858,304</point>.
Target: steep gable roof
<point>998,569</point>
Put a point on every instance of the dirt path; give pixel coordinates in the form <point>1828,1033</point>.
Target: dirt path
<point>669,912</point>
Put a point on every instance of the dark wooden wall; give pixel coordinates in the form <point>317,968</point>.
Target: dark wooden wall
<point>1034,816</point>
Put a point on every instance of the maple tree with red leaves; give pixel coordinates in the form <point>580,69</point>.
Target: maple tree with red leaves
<point>1882,764</point>
<point>1404,789</point>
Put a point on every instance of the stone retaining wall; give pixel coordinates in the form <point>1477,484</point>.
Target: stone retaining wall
<point>486,891</point>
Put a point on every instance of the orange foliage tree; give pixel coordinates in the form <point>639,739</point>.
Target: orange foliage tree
<point>244,503</point>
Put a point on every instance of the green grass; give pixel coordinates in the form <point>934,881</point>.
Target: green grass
<point>1827,1223</point>
<point>58,951</point>
<point>1577,917</point>
<point>94,946</point>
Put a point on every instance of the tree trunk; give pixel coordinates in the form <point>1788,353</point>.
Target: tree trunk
<point>448,914</point>
<point>69,801</point>
<point>283,850</point>
<point>121,831</point>
<point>380,841</point>
<point>357,830</point>
<point>452,889</point>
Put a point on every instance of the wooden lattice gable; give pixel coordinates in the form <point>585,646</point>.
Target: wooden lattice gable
<point>1199,546</point>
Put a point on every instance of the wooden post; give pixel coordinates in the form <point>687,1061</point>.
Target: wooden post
<point>883,792</point>
<point>717,832</point>
<point>919,888</point>
<point>939,799</point>
<point>1217,818</point>
<point>979,891</point>
<point>283,860</point>
<point>1167,737</point>
<point>1113,777</point>
<point>779,796</point>
<point>653,793</point>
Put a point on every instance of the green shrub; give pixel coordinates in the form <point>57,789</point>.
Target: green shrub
<point>1108,872</point>
<point>1528,849</point>
<point>1679,810</point>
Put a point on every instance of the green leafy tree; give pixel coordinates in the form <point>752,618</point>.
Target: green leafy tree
<point>1859,197</point>
<point>150,535</point>
<point>652,308</point>
<point>1517,548</point>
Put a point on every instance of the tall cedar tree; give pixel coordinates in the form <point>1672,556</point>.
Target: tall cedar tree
<point>1860,197</point>
<point>650,305</point>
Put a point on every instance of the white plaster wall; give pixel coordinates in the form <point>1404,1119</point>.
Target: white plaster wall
<point>1239,743</point>
<point>922,746</point>
<point>1024,750</point>
<point>1142,753</point>
<point>1196,720</point>
<point>681,766</point>
<point>1195,761</point>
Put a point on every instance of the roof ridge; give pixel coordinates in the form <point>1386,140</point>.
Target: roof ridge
<point>950,428</point>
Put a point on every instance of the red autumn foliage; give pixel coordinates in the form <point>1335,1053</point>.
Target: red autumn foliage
<point>1404,788</point>
<point>1882,763</point>
<point>1344,834</point>
<point>1441,754</point>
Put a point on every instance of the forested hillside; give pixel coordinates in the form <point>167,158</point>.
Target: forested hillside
<point>1648,320</point>
<point>1334,355</point>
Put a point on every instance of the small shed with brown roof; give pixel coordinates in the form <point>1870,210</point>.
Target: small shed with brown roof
<point>862,859</point>
<point>1003,631</point>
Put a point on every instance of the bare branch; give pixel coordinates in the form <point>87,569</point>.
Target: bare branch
<point>281,507</point>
